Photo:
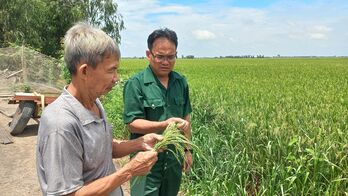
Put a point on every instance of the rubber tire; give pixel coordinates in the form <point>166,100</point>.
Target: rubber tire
<point>23,114</point>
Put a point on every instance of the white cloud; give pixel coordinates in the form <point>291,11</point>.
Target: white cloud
<point>203,35</point>
<point>245,16</point>
<point>319,32</point>
<point>232,39</point>
<point>317,36</point>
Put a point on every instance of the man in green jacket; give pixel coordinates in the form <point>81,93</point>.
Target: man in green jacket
<point>154,98</point>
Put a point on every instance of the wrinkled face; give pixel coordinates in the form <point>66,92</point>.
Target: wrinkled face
<point>103,77</point>
<point>162,57</point>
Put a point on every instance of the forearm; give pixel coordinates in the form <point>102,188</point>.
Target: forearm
<point>105,185</point>
<point>143,126</point>
<point>122,148</point>
<point>188,131</point>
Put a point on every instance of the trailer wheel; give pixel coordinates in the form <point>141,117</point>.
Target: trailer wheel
<point>20,119</point>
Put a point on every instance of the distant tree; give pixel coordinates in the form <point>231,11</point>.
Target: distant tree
<point>41,24</point>
<point>20,22</point>
<point>103,13</point>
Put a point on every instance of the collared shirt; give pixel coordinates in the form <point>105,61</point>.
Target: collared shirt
<point>74,146</point>
<point>146,98</point>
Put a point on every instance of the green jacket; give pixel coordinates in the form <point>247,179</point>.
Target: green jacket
<point>146,98</point>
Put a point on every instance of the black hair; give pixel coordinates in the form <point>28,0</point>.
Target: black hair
<point>159,33</point>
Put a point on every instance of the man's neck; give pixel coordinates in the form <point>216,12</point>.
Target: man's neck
<point>81,94</point>
<point>164,80</point>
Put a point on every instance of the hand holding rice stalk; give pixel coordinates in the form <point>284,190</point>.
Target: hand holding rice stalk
<point>172,136</point>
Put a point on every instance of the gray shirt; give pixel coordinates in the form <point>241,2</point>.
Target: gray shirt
<point>74,146</point>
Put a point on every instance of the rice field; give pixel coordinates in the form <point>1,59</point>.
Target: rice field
<point>265,126</point>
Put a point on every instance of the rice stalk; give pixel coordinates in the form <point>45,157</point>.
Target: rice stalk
<point>172,136</point>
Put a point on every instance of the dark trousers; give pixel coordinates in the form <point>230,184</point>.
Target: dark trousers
<point>163,180</point>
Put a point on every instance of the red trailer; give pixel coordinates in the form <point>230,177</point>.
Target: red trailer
<point>30,106</point>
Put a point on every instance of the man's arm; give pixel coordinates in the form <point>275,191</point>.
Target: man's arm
<point>143,126</point>
<point>139,165</point>
<point>188,156</point>
<point>185,126</point>
<point>122,148</point>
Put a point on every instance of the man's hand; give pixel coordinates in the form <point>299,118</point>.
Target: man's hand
<point>188,163</point>
<point>185,126</point>
<point>149,140</point>
<point>173,119</point>
<point>142,163</point>
<point>182,124</point>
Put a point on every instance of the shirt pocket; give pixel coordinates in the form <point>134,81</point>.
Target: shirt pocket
<point>179,101</point>
<point>154,108</point>
<point>177,107</point>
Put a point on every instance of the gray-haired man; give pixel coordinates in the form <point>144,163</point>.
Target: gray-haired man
<point>75,146</point>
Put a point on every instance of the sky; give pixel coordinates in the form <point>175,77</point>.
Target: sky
<point>213,28</point>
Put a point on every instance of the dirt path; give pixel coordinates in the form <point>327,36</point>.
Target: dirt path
<point>17,160</point>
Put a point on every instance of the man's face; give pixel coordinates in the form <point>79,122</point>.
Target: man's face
<point>103,77</point>
<point>162,57</point>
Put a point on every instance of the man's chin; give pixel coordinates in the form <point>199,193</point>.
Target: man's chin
<point>164,73</point>
<point>108,90</point>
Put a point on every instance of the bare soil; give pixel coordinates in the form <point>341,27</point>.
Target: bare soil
<point>17,160</point>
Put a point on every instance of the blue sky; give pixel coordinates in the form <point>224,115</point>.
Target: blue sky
<point>253,3</point>
<point>209,28</point>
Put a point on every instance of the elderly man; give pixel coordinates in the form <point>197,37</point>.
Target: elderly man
<point>75,146</point>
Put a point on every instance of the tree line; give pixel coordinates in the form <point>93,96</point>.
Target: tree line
<point>41,24</point>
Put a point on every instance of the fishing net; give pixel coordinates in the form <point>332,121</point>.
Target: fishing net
<point>25,70</point>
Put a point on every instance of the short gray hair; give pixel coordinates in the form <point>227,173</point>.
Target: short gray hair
<point>84,43</point>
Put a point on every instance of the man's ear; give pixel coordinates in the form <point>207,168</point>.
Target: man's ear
<point>148,54</point>
<point>82,71</point>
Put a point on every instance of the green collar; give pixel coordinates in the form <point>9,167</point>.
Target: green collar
<point>149,76</point>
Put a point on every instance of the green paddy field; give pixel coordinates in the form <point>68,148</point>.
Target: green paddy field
<point>269,126</point>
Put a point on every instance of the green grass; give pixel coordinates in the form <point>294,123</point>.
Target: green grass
<point>267,126</point>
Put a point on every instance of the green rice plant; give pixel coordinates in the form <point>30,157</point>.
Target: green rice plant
<point>172,136</point>
<point>272,126</point>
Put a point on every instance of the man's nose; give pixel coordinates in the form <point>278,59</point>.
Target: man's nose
<point>116,78</point>
<point>165,60</point>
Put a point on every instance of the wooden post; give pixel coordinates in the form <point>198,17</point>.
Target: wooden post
<point>24,66</point>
